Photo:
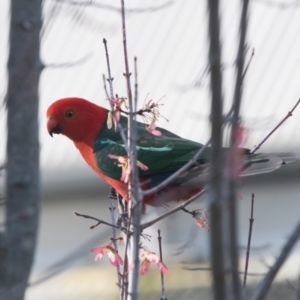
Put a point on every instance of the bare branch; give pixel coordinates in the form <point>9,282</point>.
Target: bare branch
<point>135,84</point>
<point>162,281</point>
<point>114,234</point>
<point>265,285</point>
<point>173,210</point>
<point>70,64</point>
<point>99,222</point>
<point>216,176</point>
<point>232,251</point>
<point>298,289</point>
<point>110,78</point>
<point>289,114</point>
<point>279,5</point>
<point>251,220</point>
<point>248,65</point>
<point>210,269</point>
<point>91,3</point>
<point>134,190</point>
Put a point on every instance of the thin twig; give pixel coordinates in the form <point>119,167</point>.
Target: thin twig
<point>248,65</point>
<point>266,283</point>
<point>251,220</point>
<point>110,78</point>
<point>162,281</point>
<point>70,64</point>
<point>121,129</point>
<point>297,296</point>
<point>173,210</point>
<point>135,84</point>
<point>114,239</point>
<point>99,221</point>
<point>134,190</point>
<point>210,269</point>
<point>232,253</point>
<point>90,3</point>
<point>66,261</point>
<point>289,114</point>
<point>126,262</point>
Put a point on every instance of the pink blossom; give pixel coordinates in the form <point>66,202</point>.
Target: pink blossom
<point>115,114</point>
<point>142,166</point>
<point>123,162</point>
<point>151,128</point>
<point>201,218</point>
<point>148,258</point>
<point>150,111</point>
<point>113,256</point>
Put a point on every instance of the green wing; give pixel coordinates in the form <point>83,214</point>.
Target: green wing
<point>161,154</point>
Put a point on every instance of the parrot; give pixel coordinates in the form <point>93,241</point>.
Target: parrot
<point>158,156</point>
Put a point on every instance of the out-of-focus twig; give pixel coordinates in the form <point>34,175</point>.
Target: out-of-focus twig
<point>162,281</point>
<point>289,114</point>
<point>231,224</point>
<point>70,64</point>
<point>135,84</point>
<point>117,9</point>
<point>114,234</point>
<point>248,65</point>
<point>297,296</point>
<point>172,211</point>
<point>134,190</point>
<point>216,176</point>
<point>110,78</point>
<point>210,269</point>
<point>251,220</point>
<point>265,284</point>
<point>99,222</point>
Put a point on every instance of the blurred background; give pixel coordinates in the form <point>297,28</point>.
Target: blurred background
<point>170,40</point>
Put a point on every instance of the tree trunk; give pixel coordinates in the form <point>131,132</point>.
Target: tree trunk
<point>17,242</point>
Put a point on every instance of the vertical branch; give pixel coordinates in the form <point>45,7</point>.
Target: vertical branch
<point>232,245</point>
<point>109,79</point>
<point>163,296</point>
<point>135,84</point>
<point>216,178</point>
<point>264,286</point>
<point>113,194</point>
<point>17,243</point>
<point>298,289</point>
<point>251,220</point>
<point>112,197</point>
<point>133,186</point>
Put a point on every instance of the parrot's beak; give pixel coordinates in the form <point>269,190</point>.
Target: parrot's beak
<point>53,126</point>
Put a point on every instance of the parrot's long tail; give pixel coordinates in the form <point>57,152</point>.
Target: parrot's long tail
<point>266,162</point>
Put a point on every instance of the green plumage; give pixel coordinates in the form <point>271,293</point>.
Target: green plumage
<point>161,154</point>
<point>165,154</point>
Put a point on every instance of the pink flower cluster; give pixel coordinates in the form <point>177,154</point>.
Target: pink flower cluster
<point>115,259</point>
<point>147,258</point>
<point>123,162</point>
<point>149,112</point>
<point>114,115</point>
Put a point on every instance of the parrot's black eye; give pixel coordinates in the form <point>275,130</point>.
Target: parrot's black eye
<point>69,114</point>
